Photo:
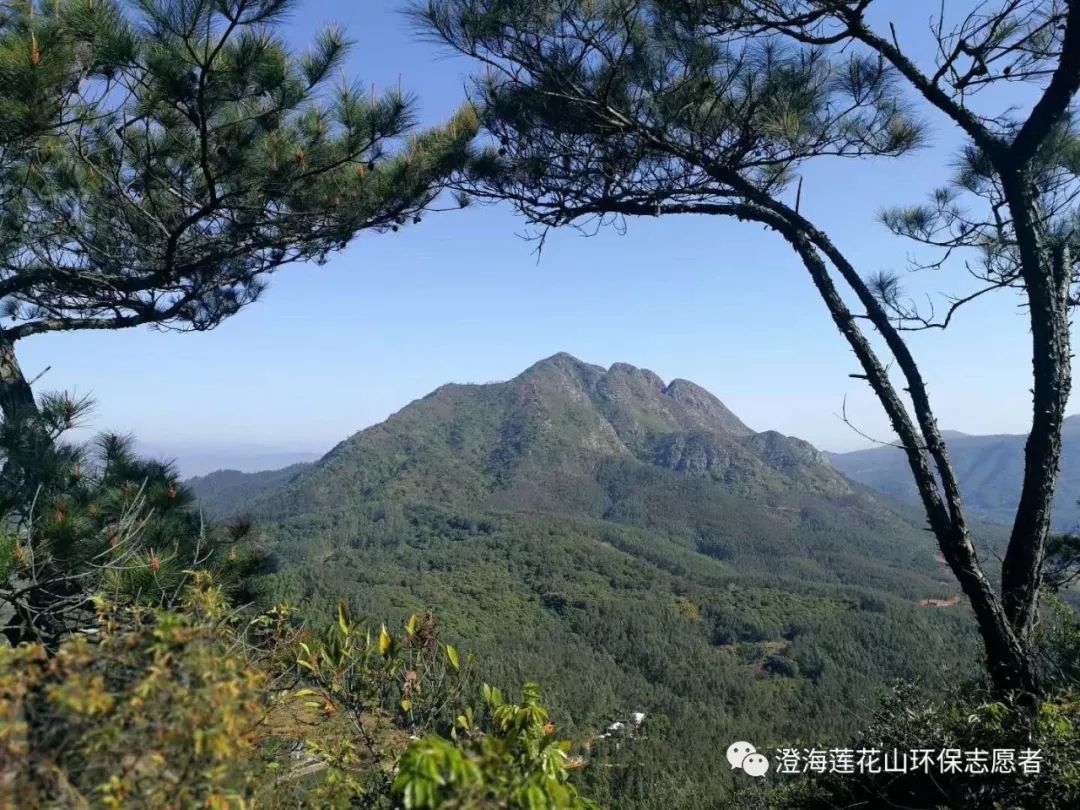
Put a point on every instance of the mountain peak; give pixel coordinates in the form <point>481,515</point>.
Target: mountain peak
<point>632,397</point>
<point>550,438</point>
<point>560,375</point>
<point>563,361</point>
<point>650,378</point>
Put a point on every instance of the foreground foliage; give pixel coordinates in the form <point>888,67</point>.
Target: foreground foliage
<point>95,518</point>
<point>972,723</point>
<point>205,706</point>
<point>159,708</point>
<point>141,677</point>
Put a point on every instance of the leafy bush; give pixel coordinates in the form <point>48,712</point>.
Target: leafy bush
<point>156,709</point>
<point>519,763</point>
<point>203,705</point>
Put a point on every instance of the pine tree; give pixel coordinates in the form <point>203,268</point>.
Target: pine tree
<point>93,519</point>
<point>157,164</point>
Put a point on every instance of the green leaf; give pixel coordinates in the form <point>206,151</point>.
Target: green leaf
<point>343,617</point>
<point>452,654</point>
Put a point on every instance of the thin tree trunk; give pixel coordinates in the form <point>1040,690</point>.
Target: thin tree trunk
<point>25,437</point>
<point>1047,281</point>
<point>1010,659</point>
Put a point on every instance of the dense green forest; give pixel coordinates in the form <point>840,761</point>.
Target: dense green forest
<point>632,546</point>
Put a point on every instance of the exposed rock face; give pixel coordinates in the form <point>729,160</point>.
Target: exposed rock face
<point>702,405</point>
<point>693,453</point>
<point>787,453</point>
<point>680,426</point>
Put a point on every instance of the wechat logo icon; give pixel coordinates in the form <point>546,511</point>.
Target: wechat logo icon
<point>743,755</point>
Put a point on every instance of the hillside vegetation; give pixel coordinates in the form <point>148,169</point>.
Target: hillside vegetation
<point>633,546</point>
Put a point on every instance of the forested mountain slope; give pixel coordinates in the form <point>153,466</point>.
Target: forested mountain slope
<point>222,492</point>
<point>632,545</point>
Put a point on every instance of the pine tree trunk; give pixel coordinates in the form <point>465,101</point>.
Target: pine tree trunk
<point>1046,269</point>
<point>1014,673</point>
<point>16,396</point>
<point>1010,658</point>
<point>25,440</point>
<point>1011,663</point>
<point>1021,570</point>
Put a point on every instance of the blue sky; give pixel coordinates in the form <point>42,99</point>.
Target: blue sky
<point>330,350</point>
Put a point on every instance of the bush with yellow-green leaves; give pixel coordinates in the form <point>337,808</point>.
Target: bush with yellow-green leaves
<point>520,763</point>
<point>202,705</point>
<point>155,708</point>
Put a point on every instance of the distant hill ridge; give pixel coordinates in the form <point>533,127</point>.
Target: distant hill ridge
<point>222,491</point>
<point>990,470</point>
